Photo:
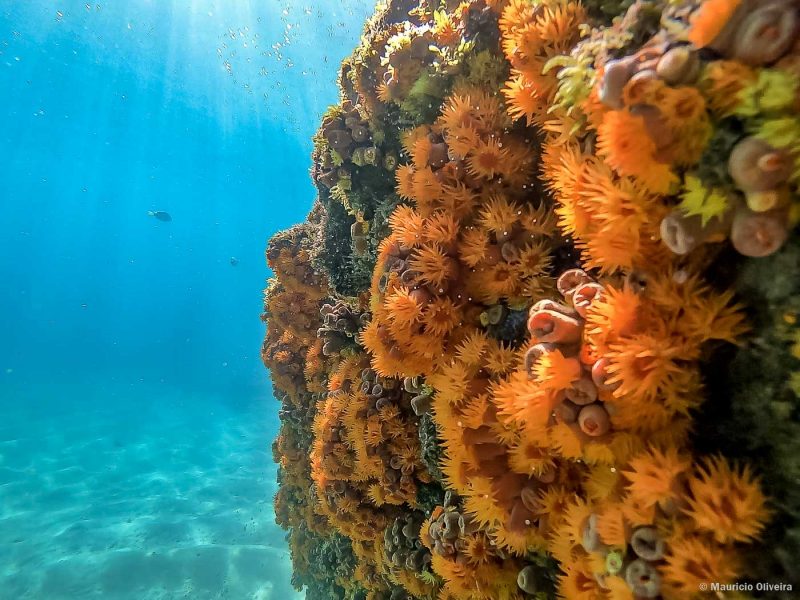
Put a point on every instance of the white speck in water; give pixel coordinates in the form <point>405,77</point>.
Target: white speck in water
<point>680,276</point>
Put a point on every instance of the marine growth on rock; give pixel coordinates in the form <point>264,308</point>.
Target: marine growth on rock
<point>538,337</point>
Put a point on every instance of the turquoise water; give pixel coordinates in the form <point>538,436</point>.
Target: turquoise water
<point>135,416</point>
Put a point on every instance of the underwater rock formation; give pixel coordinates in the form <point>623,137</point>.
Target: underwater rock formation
<point>539,335</point>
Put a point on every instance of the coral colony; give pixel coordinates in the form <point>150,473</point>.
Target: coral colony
<point>539,336</point>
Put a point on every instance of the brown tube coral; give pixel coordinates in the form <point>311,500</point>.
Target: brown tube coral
<point>759,234</point>
<point>549,326</point>
<point>756,166</point>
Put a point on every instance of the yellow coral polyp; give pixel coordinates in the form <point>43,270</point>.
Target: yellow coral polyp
<point>486,158</point>
<point>708,21</point>
<point>726,502</point>
<point>656,477</point>
<point>625,143</point>
<point>691,562</point>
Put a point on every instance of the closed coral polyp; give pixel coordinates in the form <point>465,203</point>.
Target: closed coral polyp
<point>550,326</point>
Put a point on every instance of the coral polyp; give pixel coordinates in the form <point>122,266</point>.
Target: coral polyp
<point>538,336</point>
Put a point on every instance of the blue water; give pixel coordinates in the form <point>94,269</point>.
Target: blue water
<point>135,415</point>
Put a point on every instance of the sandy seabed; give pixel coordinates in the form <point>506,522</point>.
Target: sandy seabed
<point>140,493</point>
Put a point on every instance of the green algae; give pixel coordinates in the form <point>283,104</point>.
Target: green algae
<point>332,561</point>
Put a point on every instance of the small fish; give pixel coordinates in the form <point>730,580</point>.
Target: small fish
<point>160,215</point>
<point>234,261</point>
